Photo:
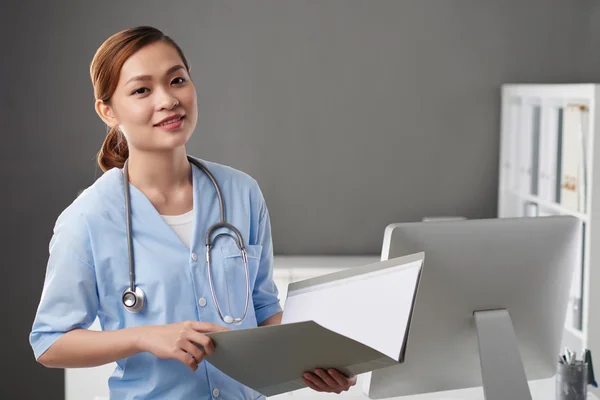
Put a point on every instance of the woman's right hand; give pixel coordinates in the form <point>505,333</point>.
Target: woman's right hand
<point>180,341</point>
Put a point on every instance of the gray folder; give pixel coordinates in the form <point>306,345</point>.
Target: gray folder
<point>272,359</point>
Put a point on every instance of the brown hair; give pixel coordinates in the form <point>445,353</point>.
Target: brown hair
<point>105,70</point>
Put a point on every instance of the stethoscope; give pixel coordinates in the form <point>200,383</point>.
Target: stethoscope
<point>134,298</point>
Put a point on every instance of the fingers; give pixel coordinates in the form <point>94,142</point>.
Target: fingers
<point>187,360</point>
<point>352,380</point>
<point>192,344</point>
<point>200,339</point>
<point>205,327</point>
<point>311,385</point>
<point>314,382</point>
<point>344,382</point>
<point>191,349</point>
<point>330,382</point>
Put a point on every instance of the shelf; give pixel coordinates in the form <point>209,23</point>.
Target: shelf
<point>534,121</point>
<point>551,205</point>
<point>575,332</point>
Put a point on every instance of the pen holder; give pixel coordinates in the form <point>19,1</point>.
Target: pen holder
<point>571,381</point>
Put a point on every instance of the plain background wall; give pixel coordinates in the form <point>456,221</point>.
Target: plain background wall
<point>350,114</point>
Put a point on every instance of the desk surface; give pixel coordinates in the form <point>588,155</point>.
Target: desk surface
<point>540,390</point>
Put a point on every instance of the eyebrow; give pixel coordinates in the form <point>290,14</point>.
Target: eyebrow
<point>148,77</point>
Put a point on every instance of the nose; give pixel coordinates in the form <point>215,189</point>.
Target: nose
<point>167,101</point>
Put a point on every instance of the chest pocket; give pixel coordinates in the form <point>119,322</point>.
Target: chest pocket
<point>229,275</point>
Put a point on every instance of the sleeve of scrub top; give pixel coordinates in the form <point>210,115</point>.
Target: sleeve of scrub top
<point>69,298</point>
<point>266,302</point>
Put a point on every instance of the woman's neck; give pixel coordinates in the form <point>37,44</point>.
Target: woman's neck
<point>160,173</point>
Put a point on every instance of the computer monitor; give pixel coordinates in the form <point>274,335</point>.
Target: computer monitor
<point>490,308</point>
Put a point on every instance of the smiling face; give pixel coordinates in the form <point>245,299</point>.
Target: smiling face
<point>154,87</point>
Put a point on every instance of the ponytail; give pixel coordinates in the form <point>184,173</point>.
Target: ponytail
<point>114,150</point>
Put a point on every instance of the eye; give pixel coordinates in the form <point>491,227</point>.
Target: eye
<point>140,91</point>
<point>179,80</point>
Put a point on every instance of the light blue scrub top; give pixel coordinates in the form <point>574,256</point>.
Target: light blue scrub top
<point>88,271</point>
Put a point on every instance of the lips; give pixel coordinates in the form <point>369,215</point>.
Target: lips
<point>170,119</point>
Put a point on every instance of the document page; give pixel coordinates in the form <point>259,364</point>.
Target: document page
<point>373,308</point>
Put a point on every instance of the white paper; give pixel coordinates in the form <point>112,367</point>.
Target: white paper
<point>371,308</point>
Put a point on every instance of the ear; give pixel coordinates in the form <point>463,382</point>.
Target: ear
<point>106,113</point>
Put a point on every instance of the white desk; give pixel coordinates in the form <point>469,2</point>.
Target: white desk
<point>540,390</point>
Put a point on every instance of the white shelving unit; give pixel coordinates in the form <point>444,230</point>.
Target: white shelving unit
<point>548,154</point>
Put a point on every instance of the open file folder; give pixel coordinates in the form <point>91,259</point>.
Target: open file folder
<point>356,321</point>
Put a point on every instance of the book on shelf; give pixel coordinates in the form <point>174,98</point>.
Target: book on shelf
<point>513,144</point>
<point>509,142</point>
<point>573,160</point>
<point>549,150</point>
<point>525,148</point>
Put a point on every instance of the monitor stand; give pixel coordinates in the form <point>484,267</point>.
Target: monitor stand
<point>502,371</point>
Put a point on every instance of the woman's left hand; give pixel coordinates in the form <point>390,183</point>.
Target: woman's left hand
<point>330,380</point>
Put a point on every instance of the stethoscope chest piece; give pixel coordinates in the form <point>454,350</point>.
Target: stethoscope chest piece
<point>133,301</point>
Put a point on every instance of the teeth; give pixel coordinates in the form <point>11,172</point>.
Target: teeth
<point>169,121</point>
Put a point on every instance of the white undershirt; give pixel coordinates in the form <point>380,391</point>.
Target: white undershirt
<point>182,225</point>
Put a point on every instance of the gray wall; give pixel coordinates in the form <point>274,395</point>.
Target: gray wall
<point>350,114</point>
<point>591,59</point>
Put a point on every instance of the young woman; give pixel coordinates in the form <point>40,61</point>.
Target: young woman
<point>163,248</point>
